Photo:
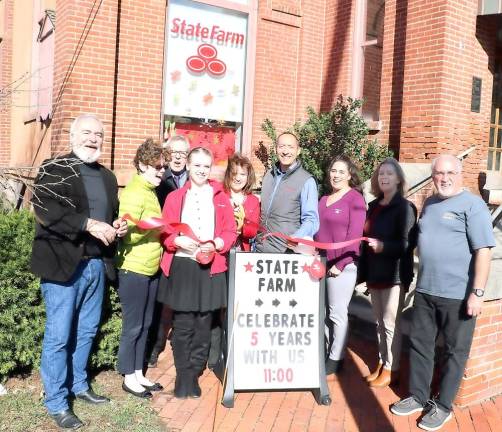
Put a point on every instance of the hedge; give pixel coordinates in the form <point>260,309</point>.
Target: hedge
<point>22,312</point>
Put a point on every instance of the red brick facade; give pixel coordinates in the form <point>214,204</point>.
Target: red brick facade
<point>5,80</point>
<point>432,51</point>
<point>109,60</point>
<point>483,373</point>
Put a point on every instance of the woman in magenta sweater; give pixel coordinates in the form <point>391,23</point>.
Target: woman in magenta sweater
<point>341,213</point>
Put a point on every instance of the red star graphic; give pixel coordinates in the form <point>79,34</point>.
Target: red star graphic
<point>207,99</point>
<point>249,267</point>
<point>175,76</point>
<point>305,268</point>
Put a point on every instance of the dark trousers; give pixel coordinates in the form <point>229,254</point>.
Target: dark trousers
<point>433,315</point>
<point>190,341</point>
<point>161,324</point>
<point>137,297</point>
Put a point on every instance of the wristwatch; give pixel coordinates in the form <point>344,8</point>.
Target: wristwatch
<point>478,292</point>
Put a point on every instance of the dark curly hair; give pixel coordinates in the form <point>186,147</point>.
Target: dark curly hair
<point>148,153</point>
<point>354,181</point>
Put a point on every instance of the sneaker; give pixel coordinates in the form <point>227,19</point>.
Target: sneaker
<point>406,406</point>
<point>435,418</point>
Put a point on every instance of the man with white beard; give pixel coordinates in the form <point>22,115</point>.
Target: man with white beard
<point>73,252</point>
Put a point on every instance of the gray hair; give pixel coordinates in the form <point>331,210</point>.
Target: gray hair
<point>453,158</point>
<point>177,138</point>
<point>78,119</point>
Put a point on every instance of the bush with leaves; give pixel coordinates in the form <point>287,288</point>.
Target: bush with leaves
<point>21,308</point>
<point>22,312</point>
<point>323,135</point>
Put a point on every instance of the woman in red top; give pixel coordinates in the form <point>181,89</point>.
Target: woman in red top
<point>238,183</point>
<point>193,289</point>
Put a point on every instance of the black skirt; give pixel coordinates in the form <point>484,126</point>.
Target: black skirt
<point>191,288</point>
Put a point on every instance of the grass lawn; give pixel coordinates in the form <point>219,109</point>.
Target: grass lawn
<point>22,409</point>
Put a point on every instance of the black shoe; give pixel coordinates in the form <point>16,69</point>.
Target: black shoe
<point>145,394</point>
<point>152,361</point>
<point>154,387</point>
<point>67,420</point>
<point>196,391</point>
<point>183,386</point>
<point>333,366</point>
<point>90,397</point>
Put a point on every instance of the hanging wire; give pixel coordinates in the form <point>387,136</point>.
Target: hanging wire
<point>76,54</point>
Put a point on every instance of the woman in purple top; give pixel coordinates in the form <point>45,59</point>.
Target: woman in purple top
<point>342,214</point>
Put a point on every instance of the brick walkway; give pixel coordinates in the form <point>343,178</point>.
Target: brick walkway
<point>354,407</point>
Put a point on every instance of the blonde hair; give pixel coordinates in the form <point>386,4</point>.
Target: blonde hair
<point>199,150</point>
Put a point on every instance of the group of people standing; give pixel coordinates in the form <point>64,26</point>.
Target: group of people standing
<point>177,273</point>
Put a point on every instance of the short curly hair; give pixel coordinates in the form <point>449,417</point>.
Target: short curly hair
<point>238,160</point>
<point>149,153</point>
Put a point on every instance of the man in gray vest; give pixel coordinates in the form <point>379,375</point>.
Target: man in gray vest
<point>288,198</point>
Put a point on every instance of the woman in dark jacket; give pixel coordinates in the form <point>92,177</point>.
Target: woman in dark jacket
<point>387,263</point>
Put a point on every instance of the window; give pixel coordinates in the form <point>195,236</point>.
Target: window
<point>372,59</point>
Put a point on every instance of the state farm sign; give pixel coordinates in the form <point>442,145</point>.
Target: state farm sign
<point>215,33</point>
<point>205,61</point>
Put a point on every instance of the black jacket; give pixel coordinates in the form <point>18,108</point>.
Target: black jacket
<point>396,226</point>
<point>61,211</point>
<point>166,186</point>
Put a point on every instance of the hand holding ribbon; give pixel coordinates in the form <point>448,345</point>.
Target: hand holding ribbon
<point>316,269</point>
<point>188,240</point>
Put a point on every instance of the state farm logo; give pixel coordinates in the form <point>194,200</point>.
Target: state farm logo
<point>206,61</point>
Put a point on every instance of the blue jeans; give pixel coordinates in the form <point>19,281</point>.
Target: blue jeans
<point>73,312</point>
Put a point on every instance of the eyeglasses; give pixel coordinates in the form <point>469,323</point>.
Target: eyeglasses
<point>445,173</point>
<point>181,154</point>
<point>158,167</point>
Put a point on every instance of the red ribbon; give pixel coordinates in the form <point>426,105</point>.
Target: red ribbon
<point>316,244</point>
<point>156,223</point>
<point>317,269</point>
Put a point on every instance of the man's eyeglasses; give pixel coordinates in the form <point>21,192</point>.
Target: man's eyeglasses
<point>445,173</point>
<point>181,154</point>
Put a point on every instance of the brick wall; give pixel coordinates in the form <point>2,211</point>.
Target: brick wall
<point>432,50</point>
<point>5,80</point>
<point>139,77</point>
<point>288,69</point>
<point>118,74</point>
<point>337,51</point>
<point>483,374</point>
<point>90,87</point>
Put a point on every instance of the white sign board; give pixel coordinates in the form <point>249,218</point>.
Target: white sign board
<point>205,61</point>
<point>276,322</point>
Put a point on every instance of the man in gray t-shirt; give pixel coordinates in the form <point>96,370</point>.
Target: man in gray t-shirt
<point>454,246</point>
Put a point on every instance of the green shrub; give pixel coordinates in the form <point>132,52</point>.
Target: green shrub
<point>323,135</point>
<point>21,308</point>
<point>22,312</point>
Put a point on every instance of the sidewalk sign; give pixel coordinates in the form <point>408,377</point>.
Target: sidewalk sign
<point>276,313</point>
